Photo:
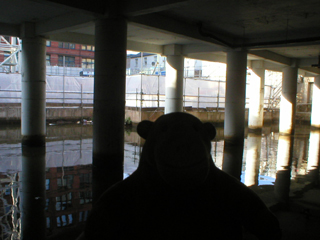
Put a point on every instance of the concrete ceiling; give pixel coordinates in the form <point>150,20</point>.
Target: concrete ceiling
<point>285,32</point>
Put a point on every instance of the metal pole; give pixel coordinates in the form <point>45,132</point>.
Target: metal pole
<point>198,97</point>
<point>63,83</point>
<point>158,91</point>
<point>218,96</point>
<point>81,103</point>
<point>141,61</point>
<point>136,98</point>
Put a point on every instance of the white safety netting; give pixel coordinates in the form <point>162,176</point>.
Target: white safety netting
<point>141,91</point>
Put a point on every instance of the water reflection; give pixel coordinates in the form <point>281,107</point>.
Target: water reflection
<point>32,193</point>
<point>66,177</point>
<point>284,161</point>
<point>313,159</point>
<point>252,159</point>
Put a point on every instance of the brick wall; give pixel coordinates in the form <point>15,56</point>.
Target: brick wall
<point>54,51</point>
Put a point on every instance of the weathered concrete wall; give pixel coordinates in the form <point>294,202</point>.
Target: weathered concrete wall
<point>206,116</point>
<point>13,114</point>
<point>68,114</point>
<point>10,114</point>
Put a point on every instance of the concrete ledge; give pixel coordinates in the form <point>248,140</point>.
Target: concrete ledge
<point>76,113</point>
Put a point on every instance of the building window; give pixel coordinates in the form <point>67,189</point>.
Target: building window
<point>85,197</point>
<point>47,204</point>
<point>83,216</point>
<point>48,222</point>
<point>66,61</point>
<point>67,45</point>
<point>88,63</point>
<point>88,47</point>
<point>63,202</point>
<point>64,220</point>
<point>66,182</point>
<point>145,61</point>
<point>48,60</point>
<point>47,184</point>
<point>198,73</point>
<point>136,62</point>
<point>85,180</point>
<point>48,43</point>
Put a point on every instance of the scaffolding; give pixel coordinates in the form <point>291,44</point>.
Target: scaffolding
<point>10,48</point>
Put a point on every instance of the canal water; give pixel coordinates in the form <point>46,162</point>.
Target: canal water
<point>68,173</point>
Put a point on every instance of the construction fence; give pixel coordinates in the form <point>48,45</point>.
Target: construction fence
<point>142,91</point>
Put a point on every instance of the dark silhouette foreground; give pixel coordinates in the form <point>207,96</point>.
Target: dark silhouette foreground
<point>178,193</point>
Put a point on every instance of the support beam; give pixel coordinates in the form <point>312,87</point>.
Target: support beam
<point>256,93</point>
<point>66,22</point>
<point>10,29</point>
<point>271,56</point>
<point>235,96</point>
<point>288,101</point>
<point>315,107</point>
<point>174,27</point>
<point>33,103</point>
<point>109,103</point>
<point>174,79</point>
<point>235,112</point>
<point>90,40</point>
<point>146,7</point>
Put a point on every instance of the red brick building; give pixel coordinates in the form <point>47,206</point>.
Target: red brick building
<point>69,55</point>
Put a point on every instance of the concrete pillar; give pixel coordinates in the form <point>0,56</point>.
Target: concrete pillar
<point>255,119</point>
<point>315,107</point>
<point>288,101</point>
<point>109,103</point>
<point>253,159</point>
<point>174,79</point>
<point>32,193</point>
<point>235,96</point>
<point>33,103</point>
<point>235,112</point>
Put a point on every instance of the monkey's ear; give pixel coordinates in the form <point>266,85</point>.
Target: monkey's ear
<point>144,128</point>
<point>210,130</point>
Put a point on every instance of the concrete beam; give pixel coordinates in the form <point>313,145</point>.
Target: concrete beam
<point>72,38</point>
<point>211,57</point>
<point>174,27</point>
<point>89,40</point>
<point>94,6</point>
<point>10,29</point>
<point>66,22</point>
<point>271,56</point>
<point>311,71</point>
<point>200,48</point>
<point>134,8</point>
<point>144,47</point>
<point>308,62</point>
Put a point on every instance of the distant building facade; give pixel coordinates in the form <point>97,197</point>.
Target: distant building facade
<point>71,59</point>
<point>146,63</point>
